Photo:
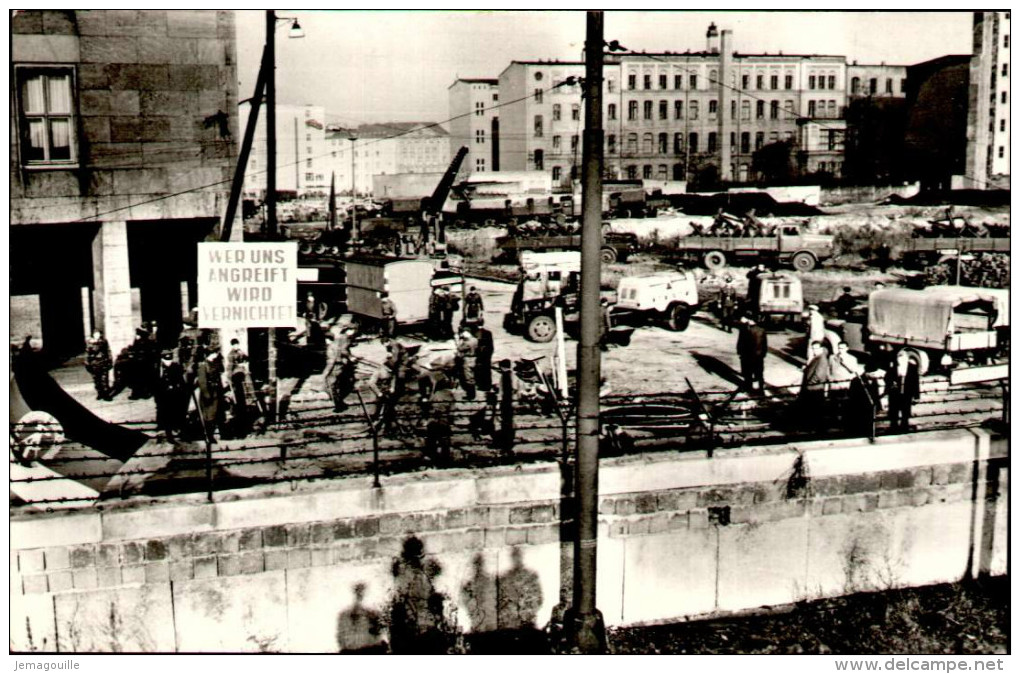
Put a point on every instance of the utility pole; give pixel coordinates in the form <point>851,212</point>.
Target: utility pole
<point>588,631</point>
<point>271,180</point>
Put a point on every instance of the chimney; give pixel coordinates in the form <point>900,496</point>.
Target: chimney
<point>712,37</point>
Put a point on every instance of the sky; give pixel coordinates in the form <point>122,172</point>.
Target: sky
<point>380,66</point>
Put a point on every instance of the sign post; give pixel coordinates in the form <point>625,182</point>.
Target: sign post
<point>248,285</point>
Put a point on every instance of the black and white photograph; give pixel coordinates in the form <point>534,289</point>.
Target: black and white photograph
<point>510,332</point>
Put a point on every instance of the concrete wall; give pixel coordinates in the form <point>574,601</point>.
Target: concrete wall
<point>681,535</point>
<point>831,196</point>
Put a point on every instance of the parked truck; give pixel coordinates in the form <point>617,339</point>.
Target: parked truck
<point>788,245</point>
<point>616,246</point>
<point>922,252</point>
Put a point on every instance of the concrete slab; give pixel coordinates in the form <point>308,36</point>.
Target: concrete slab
<point>243,614</point>
<point>33,628</point>
<point>762,564</point>
<point>532,573</point>
<point>122,620</point>
<point>669,575</point>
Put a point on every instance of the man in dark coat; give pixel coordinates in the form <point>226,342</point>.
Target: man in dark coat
<point>844,304</point>
<point>752,346</point>
<point>474,308</point>
<point>903,386</point>
<point>727,303</point>
<point>237,371</point>
<point>210,395</point>
<point>389,316</point>
<point>171,396</point>
<point>98,363</point>
<point>813,386</point>
<point>449,305</point>
<point>483,364</point>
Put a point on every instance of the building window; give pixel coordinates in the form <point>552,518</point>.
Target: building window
<point>632,172</point>
<point>557,112</point>
<point>788,106</point>
<point>733,109</point>
<point>538,95</point>
<point>693,109</point>
<point>610,86</point>
<point>479,109</point>
<point>663,143</point>
<point>632,81</point>
<point>663,109</point>
<point>632,110</point>
<point>662,82</point>
<point>678,143</point>
<point>612,111</point>
<point>1002,152</point>
<point>873,85</point>
<point>888,85</point>
<point>646,143</point>
<point>759,82</point>
<point>648,109</point>
<point>47,116</point>
<point>903,85</point>
<point>573,143</point>
<point>811,108</point>
<point>631,142</point>
<point>811,82</point>
<point>694,82</point>
<point>678,109</point>
<point>745,110</point>
<point>832,110</point>
<point>678,171</point>
<point>611,143</point>
<point>646,171</point>
<point>745,142</point>
<point>759,110</point>
<point>308,163</point>
<point>663,173</point>
<point>759,140</point>
<point>480,136</point>
<point>1005,41</point>
<point>678,81</point>
<point>648,81</point>
<point>1004,96</point>
<point>539,160</point>
<point>789,81</point>
<point>733,140</point>
<point>774,82</point>
<point>575,112</point>
<point>693,142</point>
<point>832,81</point>
<point>538,126</point>
<point>712,138</point>
<point>557,173</point>
<point>745,81</point>
<point>479,164</point>
<point>309,177</point>
<point>556,143</point>
<point>833,140</point>
<point>855,85</point>
<point>1002,125</point>
<point>774,110</point>
<point>713,110</point>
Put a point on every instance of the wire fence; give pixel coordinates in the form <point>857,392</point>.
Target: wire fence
<point>316,444</point>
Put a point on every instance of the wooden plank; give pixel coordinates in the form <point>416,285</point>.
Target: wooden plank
<point>969,375</point>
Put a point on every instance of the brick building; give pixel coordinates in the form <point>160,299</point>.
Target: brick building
<point>123,143</point>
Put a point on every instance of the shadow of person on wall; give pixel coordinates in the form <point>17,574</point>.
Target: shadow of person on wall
<point>359,630</point>
<point>417,612</point>
<point>503,610</point>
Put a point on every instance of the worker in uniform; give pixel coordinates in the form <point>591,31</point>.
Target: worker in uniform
<point>237,372</point>
<point>449,305</point>
<point>727,303</point>
<point>844,304</point>
<point>339,371</point>
<point>815,328</point>
<point>210,395</point>
<point>436,313</point>
<point>389,316</point>
<point>171,396</point>
<point>474,308</point>
<point>752,347</point>
<point>98,363</point>
<point>903,386</point>
<point>814,384</point>
<point>484,353</point>
<point>467,348</point>
<point>439,431</point>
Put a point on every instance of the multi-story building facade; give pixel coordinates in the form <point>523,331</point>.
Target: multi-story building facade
<point>384,149</point>
<point>988,123</point>
<point>474,123</point>
<point>123,144</point>
<point>876,81</point>
<point>301,150</point>
<point>673,116</point>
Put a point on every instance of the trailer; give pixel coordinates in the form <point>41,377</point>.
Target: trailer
<point>407,281</point>
<point>922,252</point>
<point>789,245</point>
<point>615,246</point>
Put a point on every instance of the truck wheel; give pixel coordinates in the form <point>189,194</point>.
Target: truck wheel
<point>714,259</point>
<point>803,261</point>
<point>541,329</point>
<point>920,358</point>
<point>678,317</point>
<point>608,255</point>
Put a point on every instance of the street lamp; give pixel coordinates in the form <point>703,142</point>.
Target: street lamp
<point>295,32</point>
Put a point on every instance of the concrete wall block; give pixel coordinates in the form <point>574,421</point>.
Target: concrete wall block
<point>53,183</point>
<point>212,52</point>
<point>275,536</point>
<point>516,535</point>
<point>182,570</point>
<point>31,561</point>
<point>698,518</point>
<point>645,503</point>
<point>961,472</point>
<point>57,558</point>
<point>137,130</point>
<point>232,614</point>
<point>205,567</point>
<point>125,102</point>
<point>659,522</point>
<point>299,535</point>
<point>655,589</point>
<point>35,584</point>
<point>27,23</point>
<point>184,129</point>
<point>228,565</point>
<point>109,577</point>
<point>321,557</point>
<point>763,565</point>
<point>495,538</point>
<point>113,155</point>
<point>856,484</point>
<point>522,487</point>
<point>228,542</point>
<point>299,559</point>
<point>168,103</point>
<point>275,559</point>
<point>194,77</point>
<point>343,529</point>
<point>745,515</point>
<point>459,518</point>
<point>715,496</point>
<point>498,516</point>
<point>922,476</point>
<point>832,506</point>
<point>62,581</point>
<point>344,553</point>
<point>108,555</point>
<point>136,22</point>
<point>827,486</point>
<point>93,76</point>
<point>143,76</point>
<point>83,556</point>
<point>679,521</point>
<point>157,572</point>
<point>639,526</point>
<point>85,579</point>
<point>251,562</point>
<point>940,473</point>
<point>109,49</point>
<point>191,24</point>
<point>887,499</point>
<point>95,129</point>
<point>626,506</point>
<point>366,526</point>
<point>132,552</point>
<point>920,496</point>
<point>156,550</point>
<point>133,575</point>
<point>619,528</point>
<point>184,51</point>
<point>212,100</point>
<point>543,534</point>
<point>93,102</point>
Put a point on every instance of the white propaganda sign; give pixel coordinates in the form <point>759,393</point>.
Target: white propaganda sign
<point>247,285</point>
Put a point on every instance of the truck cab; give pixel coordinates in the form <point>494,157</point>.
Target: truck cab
<point>804,251</point>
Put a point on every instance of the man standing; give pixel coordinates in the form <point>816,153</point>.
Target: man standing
<point>606,325</point>
<point>449,305</point>
<point>467,348</point>
<point>436,313</point>
<point>210,395</point>
<point>727,303</point>
<point>903,386</point>
<point>813,385</point>
<point>844,304</point>
<point>815,329</point>
<point>171,396</point>
<point>752,346</point>
<point>484,353</point>
<point>843,367</point>
<point>339,372</point>
<point>389,316</point>
<point>98,363</point>
<point>474,308</point>
<point>237,371</point>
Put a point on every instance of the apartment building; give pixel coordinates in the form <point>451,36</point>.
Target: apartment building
<point>474,123</point>
<point>988,123</point>
<point>384,149</point>
<point>301,150</point>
